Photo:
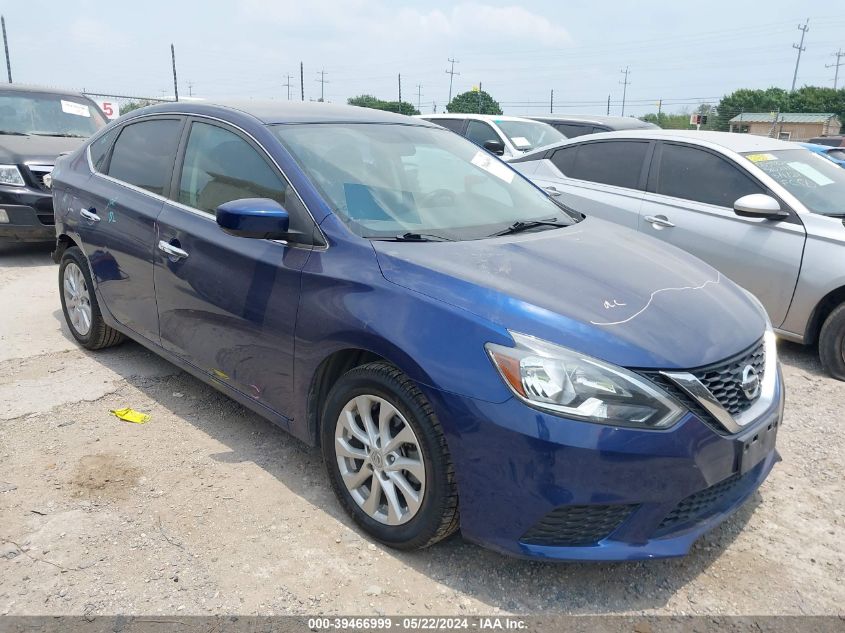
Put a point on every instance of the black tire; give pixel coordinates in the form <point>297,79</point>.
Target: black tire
<point>99,335</point>
<point>437,516</point>
<point>832,343</point>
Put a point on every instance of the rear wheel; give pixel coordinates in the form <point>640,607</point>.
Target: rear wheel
<point>387,458</point>
<point>832,343</point>
<point>79,303</point>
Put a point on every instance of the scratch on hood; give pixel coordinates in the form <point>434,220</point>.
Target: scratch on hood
<point>654,294</point>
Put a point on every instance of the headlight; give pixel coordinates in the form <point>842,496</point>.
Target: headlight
<point>574,385</point>
<point>10,175</point>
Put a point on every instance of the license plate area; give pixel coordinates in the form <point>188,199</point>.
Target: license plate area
<point>754,446</point>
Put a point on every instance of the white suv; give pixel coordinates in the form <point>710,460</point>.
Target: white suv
<point>505,136</point>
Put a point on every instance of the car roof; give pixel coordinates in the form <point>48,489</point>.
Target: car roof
<point>617,122</point>
<point>40,89</point>
<point>468,115</point>
<point>731,141</point>
<point>270,111</point>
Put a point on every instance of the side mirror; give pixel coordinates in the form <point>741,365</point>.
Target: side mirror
<point>759,205</point>
<point>257,218</point>
<point>494,147</point>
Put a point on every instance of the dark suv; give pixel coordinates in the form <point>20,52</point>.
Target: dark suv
<point>36,125</point>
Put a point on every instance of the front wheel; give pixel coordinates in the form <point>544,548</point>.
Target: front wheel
<point>79,304</point>
<point>832,343</point>
<point>387,458</point>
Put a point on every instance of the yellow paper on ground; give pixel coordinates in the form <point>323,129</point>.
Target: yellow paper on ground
<point>130,415</point>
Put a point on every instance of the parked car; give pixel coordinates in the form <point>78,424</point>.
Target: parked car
<point>833,154</point>
<point>830,141</point>
<point>572,125</point>
<point>505,136</point>
<point>463,349</point>
<point>766,213</point>
<point>36,125</point>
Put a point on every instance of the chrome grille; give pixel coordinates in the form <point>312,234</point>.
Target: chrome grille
<point>724,380</point>
<point>38,172</point>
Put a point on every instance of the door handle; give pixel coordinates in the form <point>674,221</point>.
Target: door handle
<point>659,221</point>
<point>172,251</point>
<point>90,215</point>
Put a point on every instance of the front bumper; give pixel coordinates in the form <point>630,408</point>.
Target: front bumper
<point>642,494</point>
<point>30,214</point>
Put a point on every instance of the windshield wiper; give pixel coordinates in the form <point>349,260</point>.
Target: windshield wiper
<point>519,226</point>
<point>62,134</point>
<point>415,237</point>
<point>10,133</point>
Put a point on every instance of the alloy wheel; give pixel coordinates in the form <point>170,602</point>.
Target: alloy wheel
<point>77,299</point>
<point>380,460</point>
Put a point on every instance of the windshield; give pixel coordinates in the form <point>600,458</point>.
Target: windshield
<point>48,115</point>
<point>836,154</point>
<point>818,183</point>
<point>526,135</point>
<point>386,180</point>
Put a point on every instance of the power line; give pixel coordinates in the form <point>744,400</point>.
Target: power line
<point>323,81</point>
<point>625,83</point>
<point>801,48</point>
<point>451,72</point>
<point>838,55</point>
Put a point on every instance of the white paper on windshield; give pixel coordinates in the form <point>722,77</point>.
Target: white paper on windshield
<point>812,173</point>
<point>79,109</point>
<point>492,166</point>
<point>521,141</point>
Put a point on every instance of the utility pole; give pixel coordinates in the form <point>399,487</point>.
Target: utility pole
<point>287,85</point>
<point>175,83</point>
<point>552,102</point>
<point>625,83</point>
<point>6,46</point>
<point>838,55</point>
<point>479,97</point>
<point>190,88</point>
<point>801,48</point>
<point>608,105</point>
<point>451,72</point>
<point>400,93</point>
<point>302,81</point>
<point>434,107</point>
<point>419,97</point>
<point>323,81</point>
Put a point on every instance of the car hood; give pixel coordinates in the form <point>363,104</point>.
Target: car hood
<point>23,149</point>
<point>594,287</point>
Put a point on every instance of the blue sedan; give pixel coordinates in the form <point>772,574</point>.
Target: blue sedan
<point>466,351</point>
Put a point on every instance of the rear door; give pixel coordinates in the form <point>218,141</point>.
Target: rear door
<point>117,212</point>
<point>689,203</point>
<point>602,178</point>
<point>228,304</point>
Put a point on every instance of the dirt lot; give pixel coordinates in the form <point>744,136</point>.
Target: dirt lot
<point>208,508</point>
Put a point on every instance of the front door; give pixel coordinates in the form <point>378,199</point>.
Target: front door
<point>690,204</point>
<point>228,304</point>
<point>116,218</point>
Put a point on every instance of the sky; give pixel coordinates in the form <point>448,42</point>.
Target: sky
<point>683,53</point>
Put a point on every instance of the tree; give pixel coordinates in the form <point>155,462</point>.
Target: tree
<point>474,102</point>
<point>369,101</point>
<point>804,100</point>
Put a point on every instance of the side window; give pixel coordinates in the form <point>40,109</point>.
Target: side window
<point>617,163</point>
<point>479,132</point>
<point>220,166</point>
<point>694,174</point>
<point>144,154</point>
<point>450,124</point>
<point>99,149</point>
<point>564,158</point>
<point>571,130</point>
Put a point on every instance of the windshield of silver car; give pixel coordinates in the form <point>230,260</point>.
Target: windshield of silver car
<point>44,114</point>
<point>391,180</point>
<point>818,183</point>
<point>527,135</point>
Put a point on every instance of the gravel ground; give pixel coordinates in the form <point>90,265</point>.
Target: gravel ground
<point>207,508</point>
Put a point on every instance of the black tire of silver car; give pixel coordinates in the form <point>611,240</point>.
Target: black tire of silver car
<point>79,303</point>
<point>403,430</point>
<point>832,343</point>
